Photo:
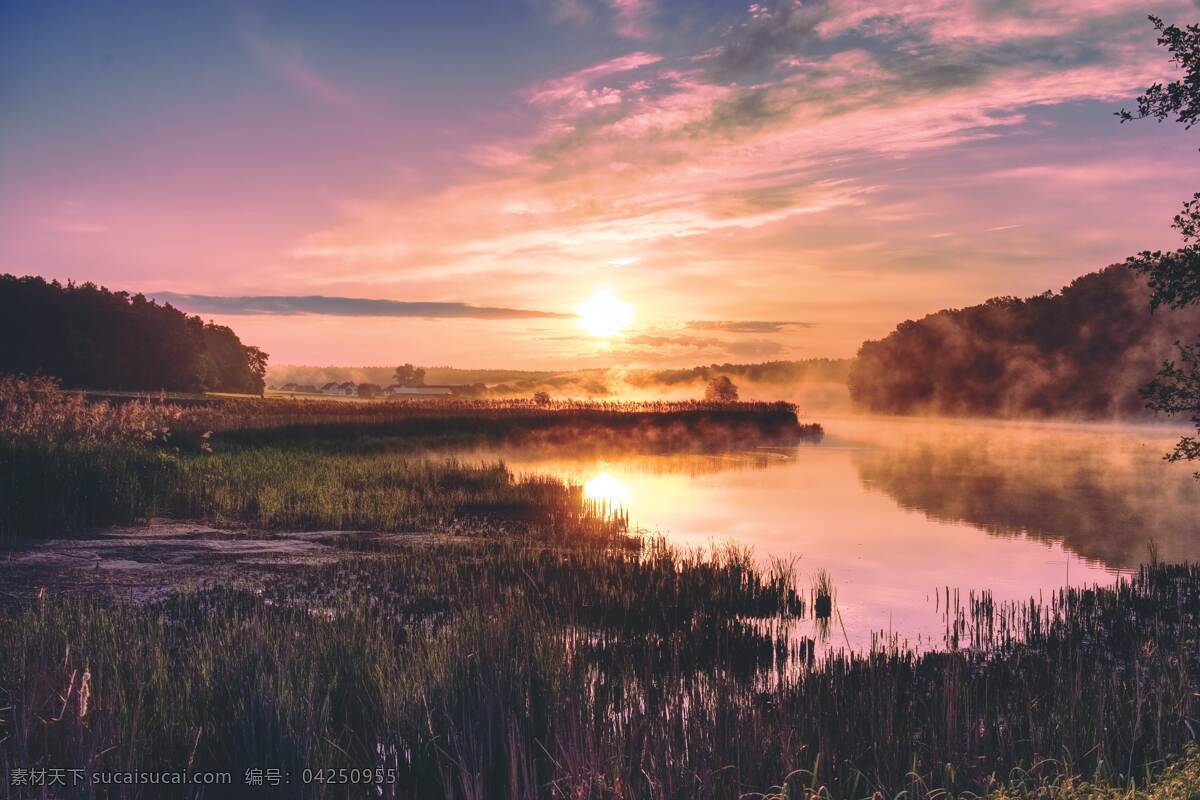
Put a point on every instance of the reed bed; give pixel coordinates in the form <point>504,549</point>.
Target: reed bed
<point>532,672</point>
<point>68,464</point>
<point>58,490</point>
<point>676,423</point>
<point>650,427</point>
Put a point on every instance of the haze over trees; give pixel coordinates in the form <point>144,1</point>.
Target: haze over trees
<point>766,380</point>
<point>831,370</point>
<point>92,338</point>
<point>1086,351</point>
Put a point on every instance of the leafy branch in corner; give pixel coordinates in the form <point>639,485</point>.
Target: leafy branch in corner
<point>1174,277</point>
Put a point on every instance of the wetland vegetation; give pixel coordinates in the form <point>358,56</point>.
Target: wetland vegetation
<point>548,652</point>
<point>504,669</point>
<point>67,463</point>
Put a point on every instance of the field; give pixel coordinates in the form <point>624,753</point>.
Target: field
<point>526,644</point>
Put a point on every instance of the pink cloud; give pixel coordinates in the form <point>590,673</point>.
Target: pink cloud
<point>631,18</point>
<point>670,165</point>
<point>950,20</point>
<point>578,85</point>
<point>628,18</point>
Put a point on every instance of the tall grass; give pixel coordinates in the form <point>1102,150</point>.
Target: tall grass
<point>36,411</point>
<point>504,671</point>
<point>53,491</point>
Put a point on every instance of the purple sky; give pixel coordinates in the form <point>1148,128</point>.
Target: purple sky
<point>779,180</point>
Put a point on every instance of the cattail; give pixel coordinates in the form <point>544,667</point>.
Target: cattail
<point>85,691</point>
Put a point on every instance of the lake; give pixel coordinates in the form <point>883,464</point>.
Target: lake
<point>897,510</point>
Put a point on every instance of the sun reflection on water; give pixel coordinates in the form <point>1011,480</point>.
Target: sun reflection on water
<point>607,491</point>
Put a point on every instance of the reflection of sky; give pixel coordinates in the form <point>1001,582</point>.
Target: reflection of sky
<point>888,561</point>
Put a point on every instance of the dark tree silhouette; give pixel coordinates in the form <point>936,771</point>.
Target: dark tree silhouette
<point>408,375</point>
<point>721,390</point>
<point>1175,276</point>
<point>1179,99</point>
<point>90,337</point>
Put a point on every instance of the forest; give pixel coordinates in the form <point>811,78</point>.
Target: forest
<point>91,338</point>
<point>1085,351</point>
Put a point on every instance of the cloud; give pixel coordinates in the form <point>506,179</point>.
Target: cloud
<point>288,62</point>
<point>577,88</point>
<point>643,150</point>
<point>286,305</point>
<point>769,33</point>
<point>745,326</point>
<point>628,18</point>
<point>632,18</point>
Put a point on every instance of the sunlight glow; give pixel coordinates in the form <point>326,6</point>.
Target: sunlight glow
<point>604,315</point>
<point>607,490</point>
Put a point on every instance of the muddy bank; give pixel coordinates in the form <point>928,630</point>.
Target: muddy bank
<point>147,562</point>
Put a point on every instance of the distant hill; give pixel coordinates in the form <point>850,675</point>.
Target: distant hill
<point>92,338</point>
<point>1083,352</point>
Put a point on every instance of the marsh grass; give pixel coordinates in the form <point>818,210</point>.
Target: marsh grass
<point>67,464</point>
<point>53,491</point>
<point>37,409</point>
<point>822,594</point>
<point>515,671</point>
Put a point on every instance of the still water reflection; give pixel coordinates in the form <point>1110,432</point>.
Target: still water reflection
<point>897,509</point>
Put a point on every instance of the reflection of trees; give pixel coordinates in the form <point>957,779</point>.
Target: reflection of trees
<point>692,465</point>
<point>1104,497</point>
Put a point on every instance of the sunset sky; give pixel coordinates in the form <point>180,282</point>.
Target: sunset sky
<point>446,182</point>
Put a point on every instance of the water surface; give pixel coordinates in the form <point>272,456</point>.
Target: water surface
<point>898,509</point>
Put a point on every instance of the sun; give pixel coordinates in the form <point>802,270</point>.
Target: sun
<point>604,315</point>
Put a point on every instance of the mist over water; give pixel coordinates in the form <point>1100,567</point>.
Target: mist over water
<point>897,509</point>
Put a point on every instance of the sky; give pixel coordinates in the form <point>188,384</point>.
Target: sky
<point>449,183</point>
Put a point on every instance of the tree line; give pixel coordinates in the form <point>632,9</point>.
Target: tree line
<point>92,338</point>
<point>1086,351</point>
